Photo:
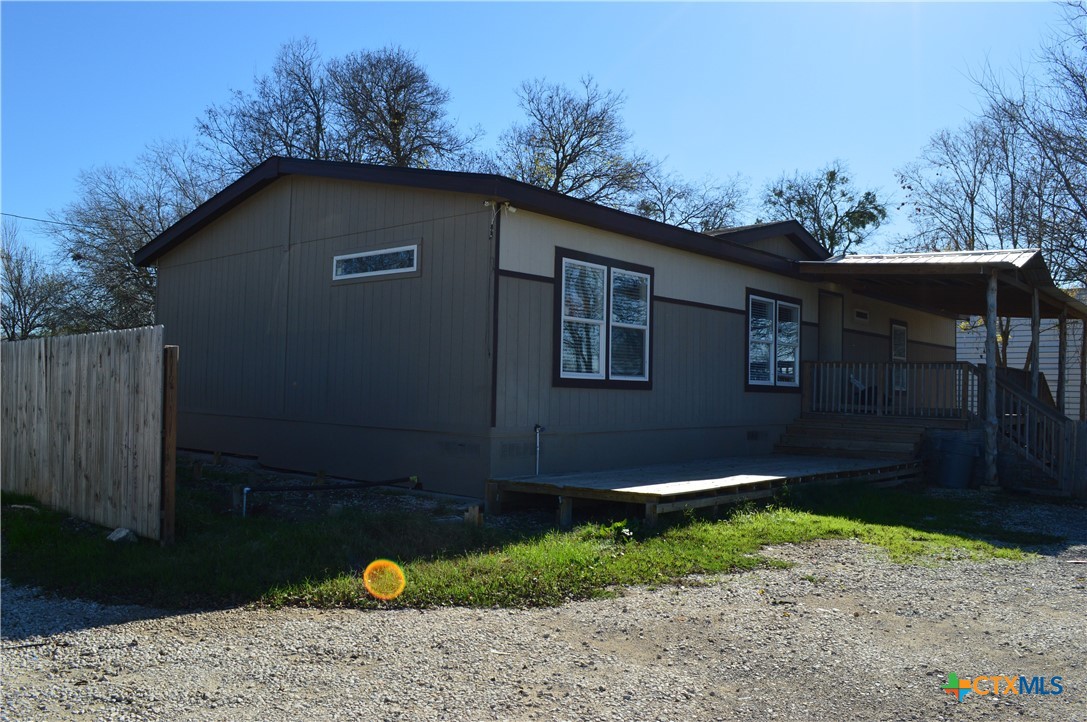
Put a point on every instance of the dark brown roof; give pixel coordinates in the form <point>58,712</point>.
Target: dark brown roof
<point>730,246</point>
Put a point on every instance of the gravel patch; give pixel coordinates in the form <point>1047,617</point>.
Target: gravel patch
<point>844,634</point>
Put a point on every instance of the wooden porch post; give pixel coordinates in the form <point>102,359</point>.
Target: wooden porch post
<point>1062,360</point>
<point>1035,322</point>
<point>1083,369</point>
<point>991,476</point>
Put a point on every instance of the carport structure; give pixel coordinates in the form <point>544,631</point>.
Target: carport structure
<point>989,284</point>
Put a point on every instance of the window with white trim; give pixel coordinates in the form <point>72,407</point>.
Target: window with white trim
<point>773,342</point>
<point>604,321</point>
<point>383,262</point>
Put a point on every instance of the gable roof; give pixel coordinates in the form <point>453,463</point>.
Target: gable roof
<point>747,235</point>
<point>729,245</point>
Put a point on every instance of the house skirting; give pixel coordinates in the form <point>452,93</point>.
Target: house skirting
<point>457,463</point>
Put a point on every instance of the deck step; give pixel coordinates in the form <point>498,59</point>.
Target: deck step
<point>861,436</point>
<point>922,422</point>
<point>847,453</point>
<point>867,432</point>
<point>850,443</point>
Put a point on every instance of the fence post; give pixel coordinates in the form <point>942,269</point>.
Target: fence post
<point>169,441</point>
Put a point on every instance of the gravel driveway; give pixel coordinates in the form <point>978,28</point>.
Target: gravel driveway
<point>842,635</point>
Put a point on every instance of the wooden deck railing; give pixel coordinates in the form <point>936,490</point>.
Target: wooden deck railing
<point>936,390</point>
<point>1043,436</point>
<point>953,390</point>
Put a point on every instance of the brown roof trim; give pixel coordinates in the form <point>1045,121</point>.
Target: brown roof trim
<point>521,195</point>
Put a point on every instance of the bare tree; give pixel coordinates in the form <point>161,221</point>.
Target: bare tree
<point>287,114</point>
<point>575,143</point>
<point>33,295</point>
<point>120,209</point>
<point>945,190</point>
<point>704,206</point>
<point>827,205</point>
<point>390,112</point>
<point>1050,111</point>
<point>367,107</point>
<point>987,188</point>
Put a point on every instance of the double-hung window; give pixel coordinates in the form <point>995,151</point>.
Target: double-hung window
<point>773,341</point>
<point>603,320</point>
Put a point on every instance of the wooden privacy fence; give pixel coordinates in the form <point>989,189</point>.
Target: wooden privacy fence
<point>88,426</point>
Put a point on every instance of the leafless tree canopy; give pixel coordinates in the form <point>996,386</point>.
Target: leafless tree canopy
<point>287,114</point>
<point>827,205</point>
<point>946,189</point>
<point>705,206</point>
<point>120,209</point>
<point>368,107</point>
<point>574,142</point>
<point>32,295</point>
<point>1016,177</point>
<point>389,112</point>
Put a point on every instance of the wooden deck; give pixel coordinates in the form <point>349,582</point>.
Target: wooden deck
<point>696,484</point>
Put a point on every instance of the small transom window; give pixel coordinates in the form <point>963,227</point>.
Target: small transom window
<point>402,259</point>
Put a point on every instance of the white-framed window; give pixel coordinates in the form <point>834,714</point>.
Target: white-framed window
<point>383,262</point>
<point>604,321</point>
<point>584,310</point>
<point>773,342</point>
<point>629,340</point>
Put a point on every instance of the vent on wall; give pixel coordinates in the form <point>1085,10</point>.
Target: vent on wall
<point>753,435</point>
<point>860,315</point>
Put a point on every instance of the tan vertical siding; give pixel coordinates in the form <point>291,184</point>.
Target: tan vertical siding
<point>266,334</point>
<point>697,407</point>
<point>529,241</point>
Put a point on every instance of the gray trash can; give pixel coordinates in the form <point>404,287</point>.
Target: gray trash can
<point>955,462</point>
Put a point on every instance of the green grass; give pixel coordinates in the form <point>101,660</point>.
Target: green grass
<point>220,559</point>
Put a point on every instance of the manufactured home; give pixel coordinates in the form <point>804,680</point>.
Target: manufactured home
<point>376,322</point>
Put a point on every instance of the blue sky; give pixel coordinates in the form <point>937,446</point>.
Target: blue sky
<point>712,88</point>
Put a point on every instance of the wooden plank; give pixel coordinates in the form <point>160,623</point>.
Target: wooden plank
<point>703,502</point>
<point>492,503</point>
<point>566,511</point>
<point>699,486</point>
<point>991,476</point>
<point>581,493</point>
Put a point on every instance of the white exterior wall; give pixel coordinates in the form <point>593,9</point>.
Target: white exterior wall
<point>971,347</point>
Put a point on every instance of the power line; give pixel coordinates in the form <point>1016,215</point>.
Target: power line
<point>43,220</point>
